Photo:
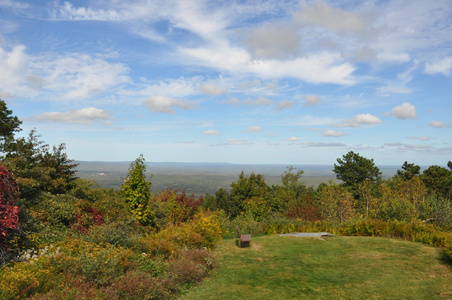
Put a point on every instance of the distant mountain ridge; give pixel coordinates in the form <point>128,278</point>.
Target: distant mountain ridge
<point>200,178</point>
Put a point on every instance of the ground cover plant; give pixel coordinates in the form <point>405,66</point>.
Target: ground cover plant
<point>277,267</point>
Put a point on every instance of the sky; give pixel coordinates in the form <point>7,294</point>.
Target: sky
<point>237,81</point>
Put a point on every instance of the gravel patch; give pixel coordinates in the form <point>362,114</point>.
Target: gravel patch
<point>308,234</point>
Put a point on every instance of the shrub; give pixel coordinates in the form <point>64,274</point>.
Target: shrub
<point>86,216</point>
<point>95,263</point>
<point>9,212</point>
<point>170,207</point>
<point>191,267</point>
<point>116,234</point>
<point>29,277</point>
<point>141,285</point>
<point>208,226</point>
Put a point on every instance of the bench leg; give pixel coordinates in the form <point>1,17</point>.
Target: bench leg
<point>244,244</point>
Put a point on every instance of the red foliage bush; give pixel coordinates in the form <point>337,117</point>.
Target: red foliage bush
<point>87,217</point>
<point>9,212</point>
<point>305,211</point>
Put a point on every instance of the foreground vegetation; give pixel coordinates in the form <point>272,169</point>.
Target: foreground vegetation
<point>340,268</point>
<point>62,237</point>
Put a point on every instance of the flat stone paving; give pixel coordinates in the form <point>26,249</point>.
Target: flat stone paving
<point>308,234</point>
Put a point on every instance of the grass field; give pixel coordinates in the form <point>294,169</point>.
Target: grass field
<point>277,267</point>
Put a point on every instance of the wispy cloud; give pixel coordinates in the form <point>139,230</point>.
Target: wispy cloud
<point>440,124</point>
<point>14,4</point>
<point>443,66</point>
<point>293,139</point>
<point>235,142</point>
<point>332,133</point>
<point>284,104</point>
<point>421,138</point>
<point>311,100</point>
<point>261,101</point>
<point>166,105</point>
<point>319,144</point>
<point>213,89</point>
<point>85,116</point>
<point>212,132</point>
<point>252,129</point>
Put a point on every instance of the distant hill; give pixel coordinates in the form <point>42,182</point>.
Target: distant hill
<point>200,178</point>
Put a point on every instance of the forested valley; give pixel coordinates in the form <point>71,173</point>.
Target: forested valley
<point>64,237</point>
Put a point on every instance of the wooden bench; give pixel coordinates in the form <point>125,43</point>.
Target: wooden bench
<point>244,239</point>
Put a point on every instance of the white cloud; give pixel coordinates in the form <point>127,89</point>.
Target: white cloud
<point>254,129</point>
<point>322,67</point>
<point>4,95</point>
<point>443,67</point>
<point>404,111</point>
<point>421,138</point>
<point>250,85</point>
<point>79,76</point>
<point>71,76</point>
<point>14,4</point>
<point>13,65</point>
<point>212,132</point>
<point>69,12</point>
<point>84,116</point>
<point>316,144</point>
<point>439,124</point>
<point>176,88</point>
<point>261,101</point>
<point>273,41</point>
<point>399,85</point>
<point>237,142</point>
<point>361,119</point>
<point>213,89</point>
<point>332,133</point>
<point>313,129</point>
<point>321,14</point>
<point>292,139</point>
<point>166,105</point>
<point>284,104</point>
<point>311,100</point>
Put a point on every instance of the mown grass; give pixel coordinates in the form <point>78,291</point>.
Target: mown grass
<point>277,267</point>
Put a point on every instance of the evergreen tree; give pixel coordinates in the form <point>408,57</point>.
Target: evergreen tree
<point>353,169</point>
<point>408,171</point>
<point>9,124</point>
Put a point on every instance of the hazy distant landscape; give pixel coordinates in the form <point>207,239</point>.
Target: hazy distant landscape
<point>202,178</point>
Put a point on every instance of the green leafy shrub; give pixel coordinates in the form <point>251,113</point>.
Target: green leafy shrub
<point>137,190</point>
<point>169,207</point>
<point>117,234</point>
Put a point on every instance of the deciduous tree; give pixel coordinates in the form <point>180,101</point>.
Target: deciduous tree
<point>137,190</point>
<point>249,192</point>
<point>336,202</point>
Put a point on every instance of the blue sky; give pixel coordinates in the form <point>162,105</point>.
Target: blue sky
<point>284,82</point>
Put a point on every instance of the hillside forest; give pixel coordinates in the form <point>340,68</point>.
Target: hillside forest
<point>62,237</point>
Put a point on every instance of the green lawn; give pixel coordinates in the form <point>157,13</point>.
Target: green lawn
<point>277,267</point>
